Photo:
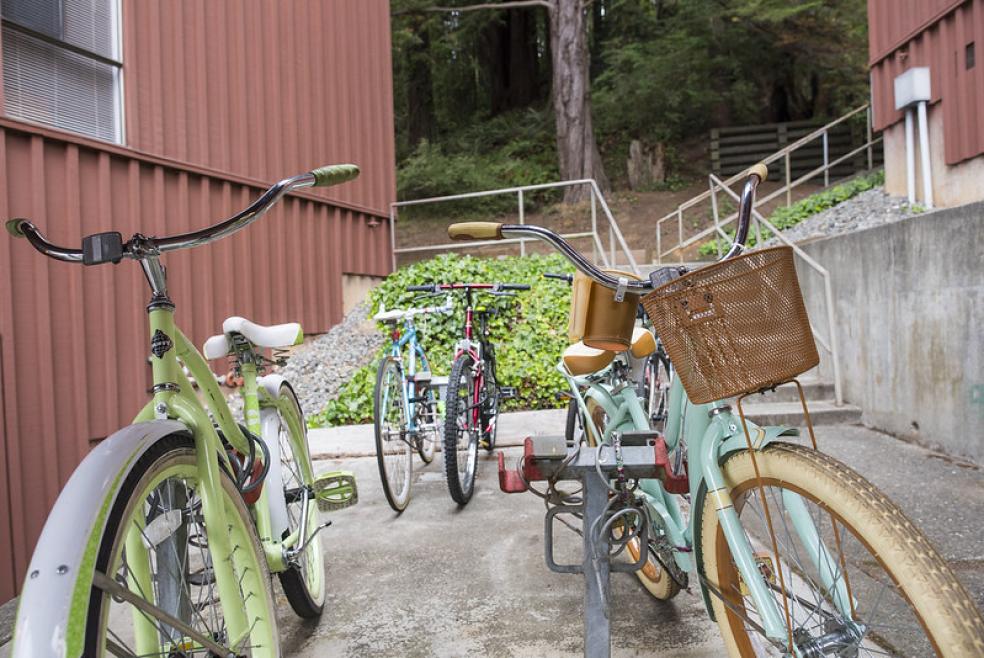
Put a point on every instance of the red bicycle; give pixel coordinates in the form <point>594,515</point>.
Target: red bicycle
<point>471,407</point>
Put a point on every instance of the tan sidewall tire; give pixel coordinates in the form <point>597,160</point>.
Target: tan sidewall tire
<point>657,582</point>
<point>944,606</point>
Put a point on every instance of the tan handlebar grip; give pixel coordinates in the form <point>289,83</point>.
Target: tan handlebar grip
<point>475,231</point>
<point>759,170</point>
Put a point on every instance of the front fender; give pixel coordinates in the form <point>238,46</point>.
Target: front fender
<point>53,604</point>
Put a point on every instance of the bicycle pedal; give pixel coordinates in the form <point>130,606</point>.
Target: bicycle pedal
<point>483,443</point>
<point>508,392</point>
<point>336,490</point>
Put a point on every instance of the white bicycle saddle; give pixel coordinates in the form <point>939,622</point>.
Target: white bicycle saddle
<point>274,336</point>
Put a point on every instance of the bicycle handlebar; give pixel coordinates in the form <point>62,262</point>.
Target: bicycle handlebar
<point>497,231</point>
<point>491,287</point>
<point>569,278</point>
<point>139,246</point>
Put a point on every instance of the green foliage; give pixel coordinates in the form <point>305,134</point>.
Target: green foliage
<point>785,217</point>
<point>661,71</point>
<point>509,150</point>
<point>529,330</point>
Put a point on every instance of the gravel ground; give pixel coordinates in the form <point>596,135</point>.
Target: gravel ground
<point>868,209</point>
<point>322,365</point>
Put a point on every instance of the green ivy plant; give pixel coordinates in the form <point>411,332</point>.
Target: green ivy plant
<point>529,330</point>
<point>787,216</point>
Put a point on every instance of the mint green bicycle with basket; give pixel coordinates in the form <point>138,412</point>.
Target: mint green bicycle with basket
<point>794,553</point>
<point>162,541</point>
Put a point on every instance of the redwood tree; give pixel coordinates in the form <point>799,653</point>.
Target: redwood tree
<point>577,150</point>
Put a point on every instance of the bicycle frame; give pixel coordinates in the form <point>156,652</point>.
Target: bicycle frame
<point>400,340</point>
<point>710,432</point>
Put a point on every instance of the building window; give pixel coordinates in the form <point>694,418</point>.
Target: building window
<point>61,65</point>
<point>969,56</point>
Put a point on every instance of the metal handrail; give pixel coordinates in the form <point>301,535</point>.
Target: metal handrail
<point>765,199</point>
<point>830,344</point>
<point>790,184</point>
<point>614,232</point>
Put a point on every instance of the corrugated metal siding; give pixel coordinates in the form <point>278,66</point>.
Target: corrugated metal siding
<point>260,88</point>
<point>209,126</point>
<point>940,46</point>
<point>892,22</point>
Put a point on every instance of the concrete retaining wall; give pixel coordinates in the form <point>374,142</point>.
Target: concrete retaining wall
<point>909,298</point>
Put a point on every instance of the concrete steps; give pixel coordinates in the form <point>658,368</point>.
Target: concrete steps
<point>782,406</point>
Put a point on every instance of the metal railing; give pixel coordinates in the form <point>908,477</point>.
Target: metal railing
<point>787,188</point>
<point>600,254</point>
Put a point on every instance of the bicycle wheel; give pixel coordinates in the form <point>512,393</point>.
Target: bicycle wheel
<point>304,579</point>
<point>653,575</point>
<point>461,430</point>
<point>905,597</point>
<point>490,405</point>
<point>428,421</point>
<point>156,545</point>
<point>394,454</point>
<point>657,389</point>
<point>572,422</point>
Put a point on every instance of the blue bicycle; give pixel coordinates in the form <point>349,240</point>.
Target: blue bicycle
<point>405,410</point>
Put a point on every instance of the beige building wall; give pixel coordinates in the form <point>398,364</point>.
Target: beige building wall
<point>953,185</point>
<point>355,287</point>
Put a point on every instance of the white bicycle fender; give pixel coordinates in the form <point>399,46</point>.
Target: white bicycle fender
<point>52,607</point>
<point>270,433</point>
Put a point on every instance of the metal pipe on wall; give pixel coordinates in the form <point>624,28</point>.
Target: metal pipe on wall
<point>927,174</point>
<point>910,157</point>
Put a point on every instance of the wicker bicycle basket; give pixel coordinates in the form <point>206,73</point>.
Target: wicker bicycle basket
<point>735,327</point>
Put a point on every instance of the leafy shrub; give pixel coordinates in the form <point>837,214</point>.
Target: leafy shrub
<point>511,150</point>
<point>529,330</point>
<point>787,216</point>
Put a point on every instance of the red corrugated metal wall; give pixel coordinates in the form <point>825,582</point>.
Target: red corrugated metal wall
<point>222,98</point>
<point>933,33</point>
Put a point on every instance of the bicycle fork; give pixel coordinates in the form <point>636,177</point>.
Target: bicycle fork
<point>722,427</point>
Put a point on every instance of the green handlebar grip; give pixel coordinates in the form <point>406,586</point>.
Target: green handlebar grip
<point>334,174</point>
<point>759,170</point>
<point>14,227</point>
<point>475,231</point>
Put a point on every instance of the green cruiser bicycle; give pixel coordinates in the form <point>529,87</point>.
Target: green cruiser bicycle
<point>162,541</point>
<point>795,554</point>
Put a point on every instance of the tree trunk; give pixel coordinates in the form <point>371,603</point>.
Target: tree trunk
<point>577,151</point>
<point>508,55</point>
<point>420,88</point>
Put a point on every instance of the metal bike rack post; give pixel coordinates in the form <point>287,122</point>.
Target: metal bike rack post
<point>549,458</point>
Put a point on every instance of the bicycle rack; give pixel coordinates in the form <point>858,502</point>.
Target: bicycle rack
<point>551,458</point>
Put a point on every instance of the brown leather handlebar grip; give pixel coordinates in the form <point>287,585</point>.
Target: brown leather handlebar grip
<point>760,170</point>
<point>475,231</point>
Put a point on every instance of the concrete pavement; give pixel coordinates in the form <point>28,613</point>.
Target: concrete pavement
<point>439,581</point>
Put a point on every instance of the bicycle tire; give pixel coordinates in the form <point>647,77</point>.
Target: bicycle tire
<point>460,458</point>
<point>144,489</point>
<point>657,398</point>
<point>929,591</point>
<point>426,447</point>
<point>397,489</point>
<point>570,425</point>
<point>303,581</point>
<point>490,410</point>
